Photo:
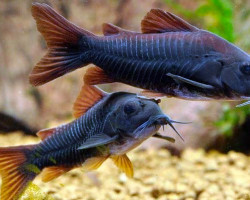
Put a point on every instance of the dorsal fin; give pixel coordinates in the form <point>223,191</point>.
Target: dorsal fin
<point>88,97</point>
<point>159,21</point>
<point>111,29</point>
<point>44,133</point>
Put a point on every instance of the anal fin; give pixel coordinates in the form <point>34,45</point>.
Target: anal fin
<point>51,173</point>
<point>124,164</point>
<point>93,163</point>
<point>95,76</point>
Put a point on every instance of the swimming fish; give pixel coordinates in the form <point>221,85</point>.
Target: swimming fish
<point>169,57</point>
<point>107,126</point>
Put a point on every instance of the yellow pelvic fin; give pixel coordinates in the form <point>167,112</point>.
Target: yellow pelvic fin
<point>124,164</point>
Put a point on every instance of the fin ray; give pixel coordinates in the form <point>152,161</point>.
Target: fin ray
<point>191,82</point>
<point>97,140</point>
<point>88,97</point>
<point>93,163</point>
<point>159,21</point>
<point>124,164</point>
<point>95,76</point>
<point>14,180</point>
<point>51,173</point>
<point>62,38</point>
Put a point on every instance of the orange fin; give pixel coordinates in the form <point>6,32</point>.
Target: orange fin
<point>110,29</point>
<point>93,163</point>
<point>43,134</point>
<point>50,173</point>
<point>14,180</point>
<point>95,76</point>
<point>88,97</point>
<point>62,38</point>
<point>124,164</point>
<point>159,21</point>
<point>151,94</point>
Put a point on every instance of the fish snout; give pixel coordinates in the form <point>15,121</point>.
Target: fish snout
<point>166,120</point>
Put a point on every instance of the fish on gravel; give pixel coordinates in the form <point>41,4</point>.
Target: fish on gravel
<point>170,57</point>
<point>108,125</point>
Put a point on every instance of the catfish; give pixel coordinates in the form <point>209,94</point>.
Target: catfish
<point>170,57</point>
<point>106,126</point>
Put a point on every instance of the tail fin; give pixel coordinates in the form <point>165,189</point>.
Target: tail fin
<point>14,177</point>
<point>67,45</point>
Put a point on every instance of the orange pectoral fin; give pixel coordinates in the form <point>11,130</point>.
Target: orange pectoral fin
<point>95,76</point>
<point>124,164</point>
<point>51,173</point>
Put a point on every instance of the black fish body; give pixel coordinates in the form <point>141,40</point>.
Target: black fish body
<point>107,126</point>
<point>144,60</point>
<point>169,57</point>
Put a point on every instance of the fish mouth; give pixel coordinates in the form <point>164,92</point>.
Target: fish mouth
<point>156,122</point>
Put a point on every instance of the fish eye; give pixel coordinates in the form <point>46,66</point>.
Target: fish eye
<point>142,104</point>
<point>245,69</point>
<point>130,108</point>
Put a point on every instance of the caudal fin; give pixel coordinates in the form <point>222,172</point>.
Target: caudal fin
<point>12,169</point>
<point>67,43</point>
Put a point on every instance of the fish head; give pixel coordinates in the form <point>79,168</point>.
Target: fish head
<point>129,112</point>
<point>226,67</point>
<point>236,78</point>
<point>136,117</point>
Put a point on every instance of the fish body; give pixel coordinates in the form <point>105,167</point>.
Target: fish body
<point>170,57</point>
<point>145,60</point>
<point>107,126</point>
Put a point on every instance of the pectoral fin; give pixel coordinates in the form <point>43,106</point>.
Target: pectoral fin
<point>124,164</point>
<point>188,81</point>
<point>97,140</point>
<point>170,139</point>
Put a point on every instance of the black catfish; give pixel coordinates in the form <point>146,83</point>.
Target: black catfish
<point>170,57</point>
<point>107,126</point>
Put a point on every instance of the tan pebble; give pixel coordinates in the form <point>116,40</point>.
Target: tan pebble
<point>173,197</point>
<point>181,188</point>
<point>211,165</point>
<point>193,156</point>
<point>163,197</point>
<point>200,186</point>
<point>122,178</point>
<point>169,187</point>
<point>190,198</point>
<point>190,194</point>
<point>213,188</point>
<point>150,180</point>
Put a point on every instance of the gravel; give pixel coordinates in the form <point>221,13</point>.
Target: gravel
<point>195,175</point>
